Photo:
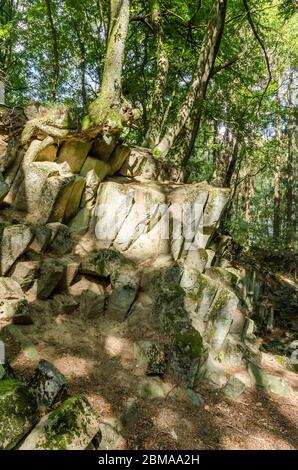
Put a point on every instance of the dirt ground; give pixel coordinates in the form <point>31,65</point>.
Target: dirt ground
<point>97,359</point>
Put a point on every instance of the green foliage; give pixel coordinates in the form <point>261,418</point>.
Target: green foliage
<point>239,117</point>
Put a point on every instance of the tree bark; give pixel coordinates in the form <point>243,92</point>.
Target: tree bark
<point>225,158</point>
<point>7,15</point>
<point>198,87</point>
<point>55,51</point>
<point>290,222</point>
<point>277,178</point>
<point>162,68</point>
<point>82,65</point>
<point>2,91</point>
<point>108,102</point>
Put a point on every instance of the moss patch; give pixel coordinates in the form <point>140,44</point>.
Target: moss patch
<point>18,412</point>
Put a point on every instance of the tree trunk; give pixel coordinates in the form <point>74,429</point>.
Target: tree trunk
<point>198,87</point>
<point>7,16</point>
<point>277,178</point>
<point>82,65</point>
<point>55,51</point>
<point>289,185</point>
<point>108,103</point>
<point>290,223</point>
<point>232,162</point>
<point>2,92</point>
<point>190,142</point>
<point>276,207</point>
<point>162,68</point>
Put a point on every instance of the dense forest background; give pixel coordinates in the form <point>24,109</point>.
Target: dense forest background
<point>241,128</point>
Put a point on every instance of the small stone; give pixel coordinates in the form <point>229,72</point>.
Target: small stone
<point>21,315</point>
<point>51,272</point>
<point>14,241</point>
<point>71,268</point>
<point>234,388</point>
<point>10,289</point>
<point>61,240</point>
<point>269,382</point>
<point>13,305</point>
<point>42,237</point>
<point>194,397</point>
<point>151,388</point>
<point>24,273</point>
<point>48,385</point>
<point>91,296</point>
<point>125,286</point>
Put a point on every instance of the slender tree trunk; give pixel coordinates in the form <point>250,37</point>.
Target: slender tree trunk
<point>219,154</point>
<point>225,157</point>
<point>7,15</point>
<point>162,68</point>
<point>233,203</point>
<point>82,66</point>
<point>290,184</point>
<point>192,136</point>
<point>2,91</point>
<point>198,87</point>
<point>108,102</point>
<point>249,192</point>
<point>290,223</point>
<point>276,206</point>
<point>232,163</point>
<point>55,51</point>
<point>277,179</point>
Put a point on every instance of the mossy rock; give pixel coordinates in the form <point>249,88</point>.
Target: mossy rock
<point>18,412</point>
<point>202,283</point>
<point>221,318</point>
<point>190,342</point>
<point>151,388</point>
<point>167,282</point>
<point>234,388</point>
<point>72,426</point>
<point>103,263</point>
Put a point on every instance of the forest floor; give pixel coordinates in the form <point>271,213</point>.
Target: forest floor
<point>97,359</point>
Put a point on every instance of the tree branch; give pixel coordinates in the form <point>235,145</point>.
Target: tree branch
<point>257,36</point>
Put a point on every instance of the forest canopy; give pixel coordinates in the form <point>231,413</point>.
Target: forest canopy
<point>214,83</point>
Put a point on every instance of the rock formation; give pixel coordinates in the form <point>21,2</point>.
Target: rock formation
<point>97,227</point>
